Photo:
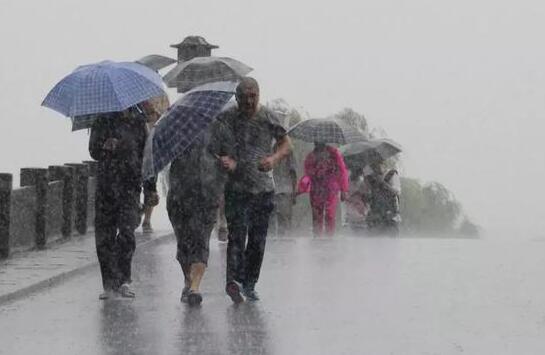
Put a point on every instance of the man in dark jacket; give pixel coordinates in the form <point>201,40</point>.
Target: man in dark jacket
<point>117,143</point>
<point>197,179</point>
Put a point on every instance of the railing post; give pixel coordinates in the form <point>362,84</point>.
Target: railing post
<point>81,183</point>
<point>66,174</point>
<point>6,186</point>
<point>93,166</point>
<point>38,177</point>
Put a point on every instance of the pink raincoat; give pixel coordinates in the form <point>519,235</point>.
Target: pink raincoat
<point>328,176</point>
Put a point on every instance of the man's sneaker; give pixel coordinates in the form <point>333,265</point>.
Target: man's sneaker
<point>185,293</point>
<point>233,290</point>
<point>194,298</point>
<point>107,294</point>
<point>125,291</point>
<point>146,228</point>
<point>250,293</point>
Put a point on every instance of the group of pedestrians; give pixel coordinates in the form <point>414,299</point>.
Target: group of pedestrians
<point>233,158</point>
<point>240,167</point>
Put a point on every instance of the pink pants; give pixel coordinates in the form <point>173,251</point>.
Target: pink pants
<point>321,205</point>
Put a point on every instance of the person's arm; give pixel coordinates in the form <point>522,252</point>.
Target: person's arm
<point>293,176</point>
<point>284,148</point>
<point>342,174</point>
<point>222,145</point>
<point>100,144</point>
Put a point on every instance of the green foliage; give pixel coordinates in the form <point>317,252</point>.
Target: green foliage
<point>432,208</point>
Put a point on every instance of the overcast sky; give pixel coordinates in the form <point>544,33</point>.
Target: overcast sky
<point>460,84</point>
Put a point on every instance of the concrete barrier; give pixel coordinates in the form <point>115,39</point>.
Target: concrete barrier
<point>50,205</point>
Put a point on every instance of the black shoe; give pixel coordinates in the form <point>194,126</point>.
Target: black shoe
<point>250,293</point>
<point>185,293</point>
<point>194,298</point>
<point>233,290</point>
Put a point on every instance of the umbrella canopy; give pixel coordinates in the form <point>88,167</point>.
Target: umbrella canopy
<point>360,154</point>
<point>326,131</point>
<point>156,61</point>
<point>104,87</point>
<point>183,123</point>
<point>158,105</point>
<point>202,70</point>
<point>384,147</point>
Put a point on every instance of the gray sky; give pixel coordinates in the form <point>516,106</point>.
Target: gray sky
<point>459,84</point>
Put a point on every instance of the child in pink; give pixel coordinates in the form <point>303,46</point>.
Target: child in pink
<point>328,176</point>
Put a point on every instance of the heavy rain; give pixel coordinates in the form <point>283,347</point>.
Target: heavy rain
<point>285,177</point>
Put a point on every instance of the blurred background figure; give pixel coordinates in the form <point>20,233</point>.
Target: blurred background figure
<point>328,176</point>
<point>153,109</point>
<point>356,205</point>
<point>383,188</point>
<point>285,181</point>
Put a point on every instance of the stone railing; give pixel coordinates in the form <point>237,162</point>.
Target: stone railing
<point>52,204</point>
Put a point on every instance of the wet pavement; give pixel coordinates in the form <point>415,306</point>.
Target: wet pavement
<point>319,296</point>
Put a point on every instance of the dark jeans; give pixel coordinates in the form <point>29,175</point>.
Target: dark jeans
<point>247,215</point>
<point>117,216</point>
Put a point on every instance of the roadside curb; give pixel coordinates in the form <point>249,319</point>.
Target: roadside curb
<point>63,276</point>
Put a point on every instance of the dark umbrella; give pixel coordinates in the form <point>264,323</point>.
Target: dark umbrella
<point>183,123</point>
<point>326,131</point>
<point>363,153</point>
<point>202,70</point>
<point>156,62</point>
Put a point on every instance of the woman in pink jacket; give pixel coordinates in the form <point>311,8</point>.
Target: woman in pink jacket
<point>328,176</point>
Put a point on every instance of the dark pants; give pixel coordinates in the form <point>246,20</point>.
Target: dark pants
<point>247,215</point>
<point>117,216</point>
<point>193,223</point>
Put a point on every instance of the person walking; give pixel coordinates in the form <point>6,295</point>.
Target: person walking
<point>285,181</point>
<point>117,142</point>
<point>328,176</point>
<point>197,179</point>
<point>249,192</point>
<point>383,191</point>
<point>153,109</point>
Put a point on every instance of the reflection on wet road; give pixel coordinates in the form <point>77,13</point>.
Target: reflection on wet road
<point>319,296</point>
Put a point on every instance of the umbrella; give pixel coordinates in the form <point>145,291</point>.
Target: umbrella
<point>156,62</point>
<point>104,87</point>
<point>384,147</point>
<point>202,70</point>
<point>360,154</point>
<point>183,123</point>
<point>326,131</point>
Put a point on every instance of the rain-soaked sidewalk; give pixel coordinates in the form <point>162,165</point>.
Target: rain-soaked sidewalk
<point>27,272</point>
<point>343,295</point>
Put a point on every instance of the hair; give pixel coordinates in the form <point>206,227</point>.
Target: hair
<point>246,82</point>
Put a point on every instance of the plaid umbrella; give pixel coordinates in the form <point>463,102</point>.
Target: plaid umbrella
<point>202,70</point>
<point>326,131</point>
<point>104,87</point>
<point>183,123</point>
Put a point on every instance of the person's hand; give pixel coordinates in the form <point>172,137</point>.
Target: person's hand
<point>153,199</point>
<point>110,144</point>
<point>344,196</point>
<point>267,163</point>
<point>228,163</point>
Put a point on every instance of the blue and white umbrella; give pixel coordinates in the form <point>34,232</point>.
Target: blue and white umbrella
<point>183,123</point>
<point>104,87</point>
